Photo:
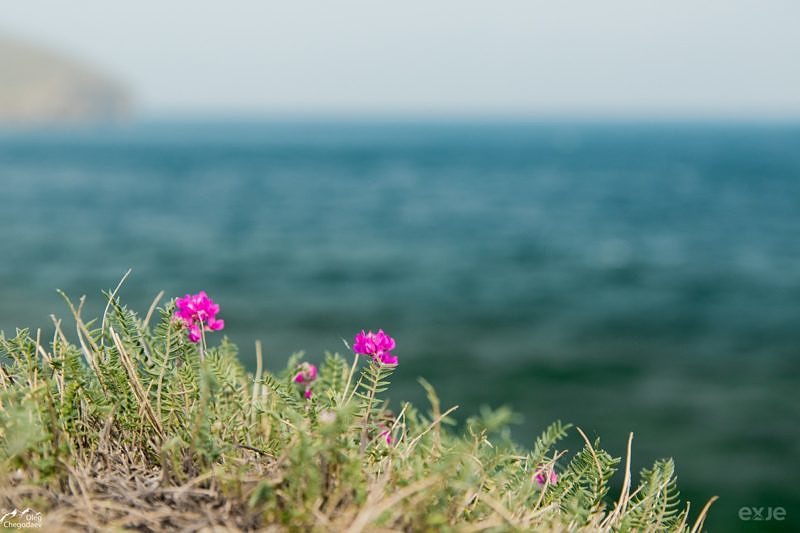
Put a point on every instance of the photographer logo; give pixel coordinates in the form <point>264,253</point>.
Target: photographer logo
<point>20,519</point>
<point>761,514</point>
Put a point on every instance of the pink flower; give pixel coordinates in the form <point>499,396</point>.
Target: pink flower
<point>306,373</point>
<point>378,346</point>
<point>194,333</point>
<point>386,434</point>
<point>215,324</point>
<point>387,359</point>
<point>546,476</point>
<point>198,312</point>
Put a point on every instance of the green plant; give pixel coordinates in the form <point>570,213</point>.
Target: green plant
<point>128,426</point>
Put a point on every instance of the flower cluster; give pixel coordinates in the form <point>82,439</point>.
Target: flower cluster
<point>198,312</point>
<point>386,434</point>
<point>378,346</point>
<point>545,476</point>
<point>306,374</point>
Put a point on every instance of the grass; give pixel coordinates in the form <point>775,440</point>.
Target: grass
<point>130,426</point>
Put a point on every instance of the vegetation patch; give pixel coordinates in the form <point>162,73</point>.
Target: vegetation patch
<point>139,423</point>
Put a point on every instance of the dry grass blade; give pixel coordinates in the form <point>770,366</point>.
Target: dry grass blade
<point>136,386</point>
<point>701,518</point>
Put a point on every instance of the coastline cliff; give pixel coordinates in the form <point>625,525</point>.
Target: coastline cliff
<point>40,86</point>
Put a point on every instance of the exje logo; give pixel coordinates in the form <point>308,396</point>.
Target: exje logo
<point>761,514</point>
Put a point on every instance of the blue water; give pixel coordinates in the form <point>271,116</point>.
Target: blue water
<point>624,277</point>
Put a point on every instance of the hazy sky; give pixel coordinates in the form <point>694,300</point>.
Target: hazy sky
<point>610,57</point>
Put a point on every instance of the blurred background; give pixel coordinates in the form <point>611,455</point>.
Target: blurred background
<point>585,212</point>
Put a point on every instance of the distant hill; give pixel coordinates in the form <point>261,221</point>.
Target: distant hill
<point>41,86</point>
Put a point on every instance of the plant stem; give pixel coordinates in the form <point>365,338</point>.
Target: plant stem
<point>202,341</point>
<point>370,400</point>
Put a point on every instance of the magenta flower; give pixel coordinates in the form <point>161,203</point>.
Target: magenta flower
<point>546,476</point>
<point>378,346</point>
<point>386,435</point>
<point>306,374</point>
<point>198,312</point>
<point>194,333</point>
<point>387,359</point>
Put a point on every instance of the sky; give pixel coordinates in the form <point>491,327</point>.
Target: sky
<point>622,58</point>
